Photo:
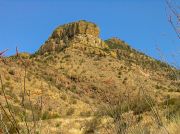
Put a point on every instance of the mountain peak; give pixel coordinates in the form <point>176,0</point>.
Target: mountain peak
<point>64,34</point>
<point>75,28</point>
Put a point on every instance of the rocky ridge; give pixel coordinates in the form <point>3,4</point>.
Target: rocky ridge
<point>76,34</point>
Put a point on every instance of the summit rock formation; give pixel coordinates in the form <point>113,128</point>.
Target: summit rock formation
<point>77,34</point>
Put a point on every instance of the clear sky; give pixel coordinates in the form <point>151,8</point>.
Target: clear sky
<point>141,23</point>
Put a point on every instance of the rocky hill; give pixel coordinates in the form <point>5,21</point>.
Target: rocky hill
<point>77,34</point>
<point>76,83</point>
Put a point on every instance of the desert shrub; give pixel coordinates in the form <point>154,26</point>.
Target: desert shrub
<point>139,118</point>
<point>158,86</point>
<point>7,78</point>
<point>91,126</point>
<point>54,115</point>
<point>8,85</point>
<point>59,86</point>
<point>81,61</point>
<point>58,125</point>
<point>70,111</point>
<point>11,129</point>
<point>139,106</point>
<point>114,112</point>
<point>16,110</point>
<point>47,115</point>
<point>120,127</point>
<point>173,105</point>
<point>64,97</point>
<point>73,101</point>
<point>176,86</point>
<point>12,94</point>
<point>66,56</point>
<point>27,104</point>
<point>94,87</point>
<point>118,44</point>
<point>73,89</point>
<point>120,73</point>
<point>74,78</point>
<point>125,80</point>
<point>173,90</point>
<point>85,114</point>
<point>48,78</point>
<point>140,130</point>
<point>172,76</point>
<point>50,58</point>
<point>11,72</point>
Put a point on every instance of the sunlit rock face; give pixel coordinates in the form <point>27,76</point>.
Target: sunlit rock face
<point>76,34</point>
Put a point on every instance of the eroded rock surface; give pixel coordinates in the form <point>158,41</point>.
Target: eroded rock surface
<point>77,33</point>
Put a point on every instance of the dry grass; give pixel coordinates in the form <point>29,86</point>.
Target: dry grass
<point>112,90</point>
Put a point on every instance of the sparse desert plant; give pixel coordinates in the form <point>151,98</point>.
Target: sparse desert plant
<point>47,115</point>
<point>139,106</point>
<point>11,72</point>
<point>85,114</point>
<point>92,86</point>
<point>73,101</point>
<point>172,106</point>
<point>91,126</point>
<point>64,97</point>
<point>70,111</point>
<point>13,114</point>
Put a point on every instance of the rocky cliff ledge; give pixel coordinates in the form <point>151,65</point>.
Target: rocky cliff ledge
<point>77,34</point>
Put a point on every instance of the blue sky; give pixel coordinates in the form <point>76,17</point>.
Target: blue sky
<point>141,23</point>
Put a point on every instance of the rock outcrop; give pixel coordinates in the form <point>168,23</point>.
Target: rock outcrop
<point>74,34</point>
<point>74,28</point>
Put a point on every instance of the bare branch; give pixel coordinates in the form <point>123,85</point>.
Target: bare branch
<point>173,16</point>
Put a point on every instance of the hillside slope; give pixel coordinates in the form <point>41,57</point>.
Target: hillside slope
<point>75,76</point>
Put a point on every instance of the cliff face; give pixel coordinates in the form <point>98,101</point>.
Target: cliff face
<point>77,33</point>
<point>74,28</point>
